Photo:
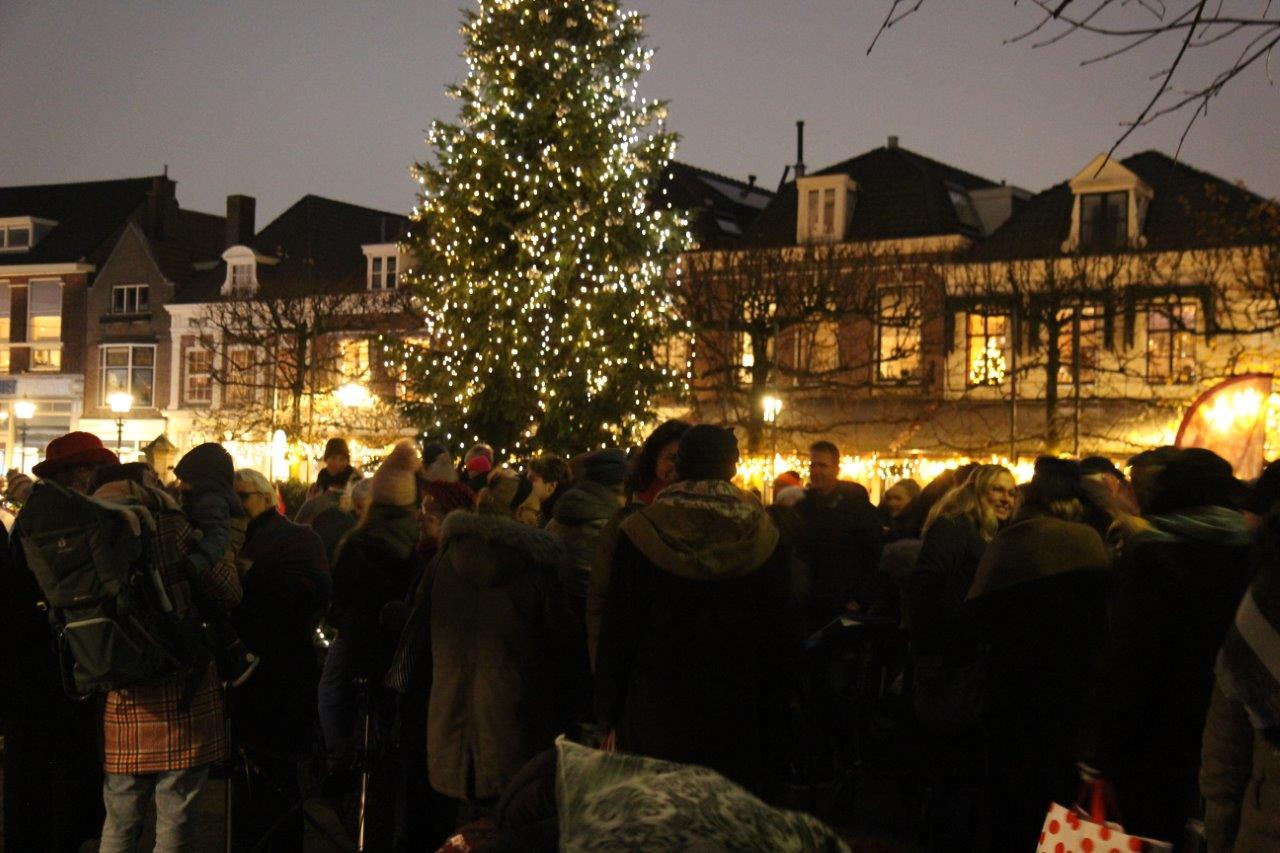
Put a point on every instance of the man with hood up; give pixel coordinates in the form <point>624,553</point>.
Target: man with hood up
<point>694,645</point>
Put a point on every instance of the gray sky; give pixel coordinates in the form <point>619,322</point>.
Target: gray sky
<point>278,99</point>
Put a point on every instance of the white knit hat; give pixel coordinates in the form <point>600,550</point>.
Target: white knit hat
<point>394,483</point>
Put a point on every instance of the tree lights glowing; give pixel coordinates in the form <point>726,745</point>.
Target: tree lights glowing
<point>541,261</point>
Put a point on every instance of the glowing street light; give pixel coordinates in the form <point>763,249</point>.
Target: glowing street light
<point>353,395</point>
<point>772,406</point>
<point>121,403</point>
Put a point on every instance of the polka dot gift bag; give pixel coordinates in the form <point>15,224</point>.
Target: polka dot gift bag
<point>1074,830</point>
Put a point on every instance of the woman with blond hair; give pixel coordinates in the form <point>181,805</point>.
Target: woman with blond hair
<point>949,677</point>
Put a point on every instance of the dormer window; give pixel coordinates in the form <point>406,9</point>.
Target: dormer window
<point>1108,209</point>
<point>242,271</point>
<point>1104,220</point>
<point>19,233</point>
<point>382,266</point>
<point>826,206</point>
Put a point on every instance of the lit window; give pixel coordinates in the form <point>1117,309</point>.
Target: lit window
<point>241,383</point>
<point>5,330</point>
<point>1104,220</point>
<point>198,375</point>
<point>818,346</point>
<point>382,272</point>
<point>44,324</point>
<point>674,354</point>
<point>355,360</point>
<point>127,368</point>
<point>1086,322</point>
<point>986,341</point>
<point>242,276</point>
<point>129,298</point>
<point>898,329</point>
<point>1171,343</point>
<point>746,359</point>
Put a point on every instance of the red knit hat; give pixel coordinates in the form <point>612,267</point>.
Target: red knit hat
<point>74,448</point>
<point>479,465</point>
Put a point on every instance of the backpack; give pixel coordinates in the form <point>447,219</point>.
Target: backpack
<point>108,606</point>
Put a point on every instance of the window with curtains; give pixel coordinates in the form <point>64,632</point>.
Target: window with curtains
<point>1104,220</point>
<point>241,385</point>
<point>44,324</point>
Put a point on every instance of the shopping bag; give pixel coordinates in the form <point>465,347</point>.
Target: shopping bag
<point>1075,830</point>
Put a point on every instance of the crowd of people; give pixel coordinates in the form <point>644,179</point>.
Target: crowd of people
<point>419,641</point>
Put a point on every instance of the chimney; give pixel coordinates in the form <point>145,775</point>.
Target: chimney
<point>158,198</point>
<point>751,184</point>
<point>800,149</point>
<point>239,219</point>
<point>892,143</point>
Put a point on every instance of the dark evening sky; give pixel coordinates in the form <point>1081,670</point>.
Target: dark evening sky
<point>278,99</point>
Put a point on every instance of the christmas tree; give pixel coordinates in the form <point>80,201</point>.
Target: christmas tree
<point>543,262</point>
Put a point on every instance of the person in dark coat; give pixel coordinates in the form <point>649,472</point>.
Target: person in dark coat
<point>1039,598</point>
<point>1177,586</point>
<point>501,648</point>
<point>652,470</point>
<point>286,591</point>
<point>949,679</point>
<point>843,540</point>
<point>580,515</point>
<point>52,773</point>
<point>695,646</point>
<point>376,564</point>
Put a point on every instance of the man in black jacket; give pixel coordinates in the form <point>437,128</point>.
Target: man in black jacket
<point>841,541</point>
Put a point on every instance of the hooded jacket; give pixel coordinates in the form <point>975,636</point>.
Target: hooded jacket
<point>577,519</point>
<point>500,651</point>
<point>1176,590</point>
<point>695,641</point>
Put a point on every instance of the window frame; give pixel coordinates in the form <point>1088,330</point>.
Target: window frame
<point>383,272</point>
<point>46,358</point>
<point>130,367</point>
<point>187,375</point>
<point>1073,328</point>
<point>136,290</point>
<point>986,336</point>
<point>1173,331</point>
<point>911,324</point>
<point>1116,230</point>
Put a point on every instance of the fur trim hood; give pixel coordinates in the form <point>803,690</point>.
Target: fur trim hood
<point>538,545</point>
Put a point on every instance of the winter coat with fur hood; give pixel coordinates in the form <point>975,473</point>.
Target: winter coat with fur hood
<point>501,649</point>
<point>695,644</point>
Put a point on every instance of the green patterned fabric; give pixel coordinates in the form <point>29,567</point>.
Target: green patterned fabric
<point>608,801</point>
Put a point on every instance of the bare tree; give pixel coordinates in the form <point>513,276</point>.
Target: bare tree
<point>1235,35</point>
<point>800,320</point>
<point>279,362</point>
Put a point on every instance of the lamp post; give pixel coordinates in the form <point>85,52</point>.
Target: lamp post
<point>772,406</point>
<point>23,410</point>
<point>121,403</point>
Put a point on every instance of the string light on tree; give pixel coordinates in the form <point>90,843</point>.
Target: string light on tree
<point>543,266</point>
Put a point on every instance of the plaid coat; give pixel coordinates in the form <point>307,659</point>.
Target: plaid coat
<point>144,728</point>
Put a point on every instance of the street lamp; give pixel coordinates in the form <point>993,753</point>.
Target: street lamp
<point>121,403</point>
<point>772,406</point>
<point>23,410</point>
<point>353,395</point>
